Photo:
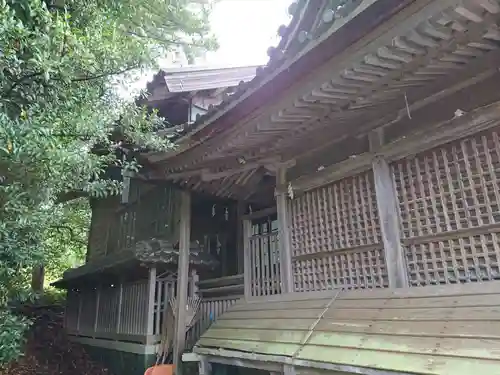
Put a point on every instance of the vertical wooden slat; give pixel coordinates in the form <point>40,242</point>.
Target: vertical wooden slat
<point>182,282</point>
<point>120,304</point>
<point>247,274</point>
<point>150,301</point>
<point>160,285</point>
<point>389,220</point>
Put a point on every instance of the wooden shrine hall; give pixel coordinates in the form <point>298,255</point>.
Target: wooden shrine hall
<point>354,187</point>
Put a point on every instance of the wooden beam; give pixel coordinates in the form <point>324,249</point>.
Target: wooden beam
<point>163,175</point>
<point>259,214</point>
<point>207,175</point>
<point>477,71</point>
<point>257,360</point>
<point>284,226</point>
<point>458,127</point>
<point>182,279</point>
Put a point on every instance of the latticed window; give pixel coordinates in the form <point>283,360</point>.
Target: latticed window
<point>449,200</point>
<point>336,237</point>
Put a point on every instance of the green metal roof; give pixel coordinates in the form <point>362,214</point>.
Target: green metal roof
<point>429,330</point>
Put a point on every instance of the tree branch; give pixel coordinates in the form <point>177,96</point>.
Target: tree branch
<point>18,82</point>
<point>99,76</point>
<point>60,228</point>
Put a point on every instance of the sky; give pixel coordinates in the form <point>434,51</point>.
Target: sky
<point>245,30</point>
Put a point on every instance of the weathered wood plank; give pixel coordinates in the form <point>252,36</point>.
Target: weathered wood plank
<point>382,303</point>
<point>458,329</point>
<point>442,346</point>
<point>480,288</point>
<point>412,314</point>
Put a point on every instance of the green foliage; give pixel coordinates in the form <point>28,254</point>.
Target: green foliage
<point>65,240</point>
<point>12,329</point>
<point>60,62</point>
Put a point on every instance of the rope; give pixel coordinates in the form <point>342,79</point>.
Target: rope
<point>314,324</point>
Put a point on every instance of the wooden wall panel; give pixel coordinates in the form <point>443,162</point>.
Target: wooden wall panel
<point>336,238</point>
<point>115,228</point>
<point>449,200</point>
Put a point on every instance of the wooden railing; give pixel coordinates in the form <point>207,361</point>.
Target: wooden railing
<point>120,312</point>
<point>113,312</point>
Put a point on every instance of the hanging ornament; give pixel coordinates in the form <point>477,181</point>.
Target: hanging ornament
<point>290,190</point>
<point>226,214</point>
<point>213,210</point>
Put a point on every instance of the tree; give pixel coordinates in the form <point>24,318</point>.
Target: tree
<point>60,61</point>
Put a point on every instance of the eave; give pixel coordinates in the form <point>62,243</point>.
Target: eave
<point>388,59</point>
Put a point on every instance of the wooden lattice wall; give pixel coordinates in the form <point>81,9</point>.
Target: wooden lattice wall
<point>114,228</point>
<point>336,239</point>
<point>449,200</point>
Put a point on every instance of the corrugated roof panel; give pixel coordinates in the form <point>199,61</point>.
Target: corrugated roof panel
<point>196,79</point>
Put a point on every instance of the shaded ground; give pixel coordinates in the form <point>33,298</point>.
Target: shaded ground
<point>48,350</point>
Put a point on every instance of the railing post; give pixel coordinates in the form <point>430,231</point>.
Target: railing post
<point>120,304</point>
<point>182,279</point>
<point>151,301</point>
<point>284,231</point>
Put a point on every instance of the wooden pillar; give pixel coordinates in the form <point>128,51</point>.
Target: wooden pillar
<point>284,231</point>
<point>240,237</point>
<point>247,272</point>
<point>388,212</point>
<point>150,323</point>
<point>182,279</point>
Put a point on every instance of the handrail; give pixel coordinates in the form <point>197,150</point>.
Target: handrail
<point>222,281</point>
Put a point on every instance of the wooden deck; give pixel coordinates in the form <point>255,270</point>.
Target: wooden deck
<point>449,329</point>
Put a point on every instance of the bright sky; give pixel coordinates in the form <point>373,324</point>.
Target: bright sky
<point>246,29</point>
